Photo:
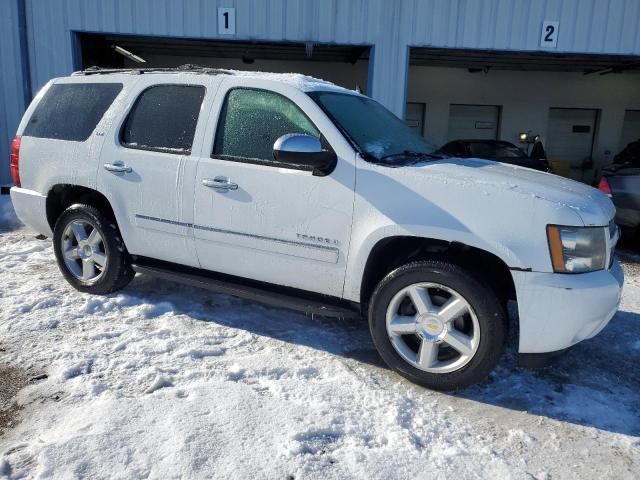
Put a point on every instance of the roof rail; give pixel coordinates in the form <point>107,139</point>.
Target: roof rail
<point>139,71</point>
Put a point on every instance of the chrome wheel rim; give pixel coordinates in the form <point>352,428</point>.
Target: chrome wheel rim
<point>433,328</point>
<point>83,251</point>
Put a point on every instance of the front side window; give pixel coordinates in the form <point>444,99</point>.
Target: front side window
<point>164,119</point>
<point>252,120</point>
<point>376,132</point>
<point>71,111</point>
<point>453,149</point>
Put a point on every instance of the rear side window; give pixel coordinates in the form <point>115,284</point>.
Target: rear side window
<point>71,111</point>
<point>252,120</point>
<point>164,119</point>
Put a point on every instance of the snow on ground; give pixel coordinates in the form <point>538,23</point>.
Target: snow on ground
<point>162,380</point>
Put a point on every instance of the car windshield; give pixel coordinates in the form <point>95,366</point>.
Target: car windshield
<point>377,133</point>
<point>495,149</point>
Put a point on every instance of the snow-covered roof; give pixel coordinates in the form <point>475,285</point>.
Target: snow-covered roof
<point>302,82</point>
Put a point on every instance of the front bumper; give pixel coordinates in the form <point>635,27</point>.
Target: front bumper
<point>31,209</point>
<point>559,310</point>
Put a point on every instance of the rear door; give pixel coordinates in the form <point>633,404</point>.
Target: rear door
<point>146,168</point>
<point>282,224</point>
<point>625,186</point>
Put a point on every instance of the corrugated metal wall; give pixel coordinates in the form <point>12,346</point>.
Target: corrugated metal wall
<point>586,26</point>
<point>11,81</point>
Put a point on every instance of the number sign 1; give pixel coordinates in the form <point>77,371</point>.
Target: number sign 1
<point>549,37</point>
<point>226,21</point>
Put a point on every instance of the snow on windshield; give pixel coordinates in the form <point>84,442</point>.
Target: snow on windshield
<point>377,149</point>
<point>377,132</point>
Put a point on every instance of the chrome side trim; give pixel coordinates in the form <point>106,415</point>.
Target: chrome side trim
<point>164,220</point>
<point>240,234</point>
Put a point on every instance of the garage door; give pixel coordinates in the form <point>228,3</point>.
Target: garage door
<point>570,138</point>
<point>414,116</point>
<point>630,129</point>
<point>478,122</point>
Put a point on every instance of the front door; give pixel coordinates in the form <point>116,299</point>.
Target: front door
<point>276,223</point>
<point>146,169</point>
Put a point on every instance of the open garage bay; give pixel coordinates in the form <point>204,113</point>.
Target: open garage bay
<point>584,108</point>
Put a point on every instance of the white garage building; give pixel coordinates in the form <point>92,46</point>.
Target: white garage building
<point>567,70</point>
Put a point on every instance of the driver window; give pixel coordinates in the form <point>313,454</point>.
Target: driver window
<point>252,120</point>
<point>454,149</point>
<point>459,150</point>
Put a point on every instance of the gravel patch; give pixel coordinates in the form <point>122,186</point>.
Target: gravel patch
<point>12,379</point>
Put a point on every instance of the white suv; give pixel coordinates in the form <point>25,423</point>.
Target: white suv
<point>294,192</point>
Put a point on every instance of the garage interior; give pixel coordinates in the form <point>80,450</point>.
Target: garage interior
<point>345,65</point>
<point>585,108</point>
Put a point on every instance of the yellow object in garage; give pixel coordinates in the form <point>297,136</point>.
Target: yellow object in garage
<point>560,167</point>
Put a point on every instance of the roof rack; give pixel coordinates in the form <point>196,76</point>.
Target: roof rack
<point>139,71</point>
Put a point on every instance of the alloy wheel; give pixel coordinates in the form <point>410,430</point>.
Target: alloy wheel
<point>433,327</point>
<point>84,251</point>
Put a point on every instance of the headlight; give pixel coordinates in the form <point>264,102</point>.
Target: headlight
<point>577,249</point>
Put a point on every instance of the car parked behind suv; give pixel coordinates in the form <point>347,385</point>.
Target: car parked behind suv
<point>497,150</point>
<point>297,193</point>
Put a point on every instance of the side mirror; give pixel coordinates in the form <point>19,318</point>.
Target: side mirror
<point>304,150</point>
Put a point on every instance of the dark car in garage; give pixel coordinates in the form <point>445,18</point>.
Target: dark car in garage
<point>497,150</point>
<point>621,182</point>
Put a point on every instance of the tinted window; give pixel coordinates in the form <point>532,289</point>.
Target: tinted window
<point>164,118</point>
<point>452,149</point>
<point>252,120</point>
<point>459,149</point>
<point>71,111</point>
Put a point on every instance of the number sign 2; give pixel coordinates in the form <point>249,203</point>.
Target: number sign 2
<point>549,37</point>
<point>226,21</point>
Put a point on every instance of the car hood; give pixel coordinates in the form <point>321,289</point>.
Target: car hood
<point>521,161</point>
<point>593,207</point>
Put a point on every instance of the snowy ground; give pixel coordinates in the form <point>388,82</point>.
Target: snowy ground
<point>165,381</point>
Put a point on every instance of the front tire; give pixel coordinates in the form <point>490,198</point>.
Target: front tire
<point>437,325</point>
<point>90,252</point>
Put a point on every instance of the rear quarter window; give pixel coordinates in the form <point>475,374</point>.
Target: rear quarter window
<point>71,111</point>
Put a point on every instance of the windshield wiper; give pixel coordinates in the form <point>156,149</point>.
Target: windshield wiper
<point>414,156</point>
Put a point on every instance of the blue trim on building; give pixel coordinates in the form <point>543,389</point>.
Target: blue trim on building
<point>406,81</point>
<point>372,57</point>
<point>24,52</point>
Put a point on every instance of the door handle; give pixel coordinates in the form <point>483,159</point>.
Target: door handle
<point>117,168</point>
<point>219,183</point>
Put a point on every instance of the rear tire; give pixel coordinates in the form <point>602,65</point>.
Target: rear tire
<point>436,324</point>
<point>90,252</point>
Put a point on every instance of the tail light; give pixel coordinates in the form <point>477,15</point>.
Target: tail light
<point>604,187</point>
<point>14,160</point>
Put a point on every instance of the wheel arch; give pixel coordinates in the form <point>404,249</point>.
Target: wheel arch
<point>391,252</point>
<point>61,196</point>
